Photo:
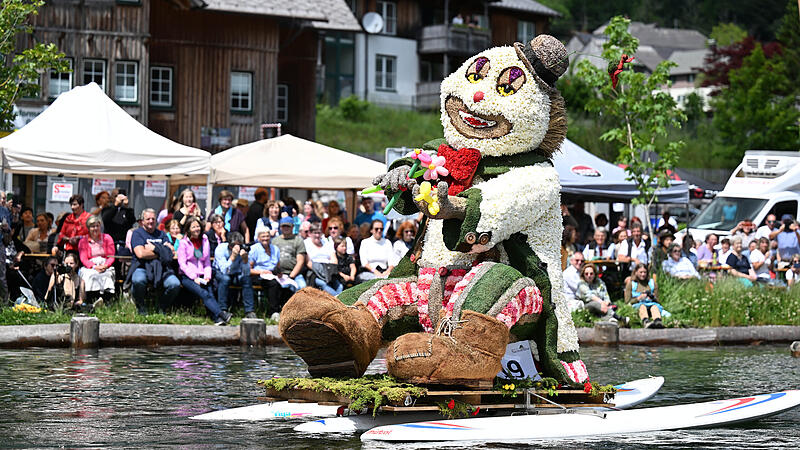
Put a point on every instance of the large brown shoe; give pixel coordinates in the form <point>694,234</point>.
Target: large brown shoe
<point>334,339</point>
<point>471,351</point>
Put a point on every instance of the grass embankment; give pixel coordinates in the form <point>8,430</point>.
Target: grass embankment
<point>369,129</point>
<point>696,304</point>
<point>121,311</point>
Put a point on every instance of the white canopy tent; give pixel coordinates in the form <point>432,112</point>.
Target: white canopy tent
<point>85,134</point>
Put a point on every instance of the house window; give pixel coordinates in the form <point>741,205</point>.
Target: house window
<point>60,82</point>
<point>241,91</point>
<point>282,103</point>
<point>385,72</point>
<point>690,78</point>
<point>161,86</point>
<point>388,10</point>
<point>526,31</point>
<point>126,81</point>
<point>94,71</point>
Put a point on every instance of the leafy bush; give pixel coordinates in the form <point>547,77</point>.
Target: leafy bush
<point>353,108</point>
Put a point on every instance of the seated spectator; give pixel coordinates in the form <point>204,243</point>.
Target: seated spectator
<point>152,263</point>
<point>761,261</point>
<point>174,235</point>
<point>233,219</point>
<point>568,248</point>
<point>309,215</point>
<point>194,263</point>
<point>724,251</point>
<point>334,211</point>
<point>271,219</point>
<point>770,225</point>
<point>320,257</point>
<point>264,269</point>
<point>749,250</point>
<point>635,250</point>
<point>740,264</point>
<point>304,230</point>
<point>665,239</point>
<point>74,225</point>
<point>572,278</point>
<point>594,295</point>
<point>165,216</point>
<point>793,274</point>
<point>233,268</point>
<point>217,234</point>
<point>101,200</point>
<point>405,238</point>
<point>336,229</point>
<point>96,251</point>
<point>345,262</point>
<point>620,237</point>
<point>44,282</point>
<point>369,214</point>
<point>36,240</point>
<point>745,230</point>
<point>375,254</point>
<point>598,247</point>
<point>677,265</point>
<point>118,218</point>
<point>70,284</point>
<point>687,249</point>
<point>788,237</point>
<point>256,209</point>
<point>707,254</point>
<point>641,292</point>
<point>187,207</point>
<point>293,254</point>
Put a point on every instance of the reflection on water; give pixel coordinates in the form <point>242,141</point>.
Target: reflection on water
<point>143,397</point>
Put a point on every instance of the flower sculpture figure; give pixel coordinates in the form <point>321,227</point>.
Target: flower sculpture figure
<point>436,168</point>
<point>419,154</point>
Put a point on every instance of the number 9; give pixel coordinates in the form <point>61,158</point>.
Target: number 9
<point>515,369</point>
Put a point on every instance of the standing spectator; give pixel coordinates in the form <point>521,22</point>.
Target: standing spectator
<point>760,259</point>
<point>233,268</point>
<point>242,205</point>
<point>345,263</point>
<point>174,235</point>
<point>594,295</point>
<point>793,274</point>
<point>336,229</point>
<point>687,249</point>
<point>745,230</point>
<point>334,211</point>
<point>405,237</point>
<point>622,224</point>
<point>5,235</point>
<point>194,262</point>
<point>665,239</point>
<point>74,225</point>
<point>187,208</point>
<point>264,267</point>
<point>217,234</point>
<point>666,220</point>
<point>36,241</point>
<point>96,251</point>
<point>724,250</point>
<point>101,200</point>
<point>293,253</point>
<point>370,214</point>
<point>233,219</point>
<point>572,278</point>
<point>256,210</point>
<point>740,265</point>
<point>118,218</point>
<point>598,247</point>
<point>641,292</point>
<point>707,254</point>
<point>585,226</point>
<point>152,260</point>
<point>319,253</point>
<point>375,254</point>
<point>788,237</point>
<point>568,248</point>
<point>601,220</point>
<point>167,214</point>
<point>566,217</point>
<point>26,224</point>
<point>635,250</point>
<point>770,225</point>
<point>679,266</point>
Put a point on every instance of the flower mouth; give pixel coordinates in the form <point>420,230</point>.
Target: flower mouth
<point>474,125</point>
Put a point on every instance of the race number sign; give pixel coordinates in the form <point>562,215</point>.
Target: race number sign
<point>518,362</point>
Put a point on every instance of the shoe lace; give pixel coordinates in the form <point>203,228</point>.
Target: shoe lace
<point>446,326</point>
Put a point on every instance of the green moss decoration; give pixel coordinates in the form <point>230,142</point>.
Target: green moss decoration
<point>456,409</point>
<point>369,391</point>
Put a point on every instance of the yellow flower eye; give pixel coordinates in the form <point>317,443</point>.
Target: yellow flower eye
<point>505,90</point>
<point>474,77</point>
<point>478,69</point>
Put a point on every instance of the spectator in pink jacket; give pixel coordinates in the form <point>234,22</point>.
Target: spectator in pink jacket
<point>96,251</point>
<point>194,261</point>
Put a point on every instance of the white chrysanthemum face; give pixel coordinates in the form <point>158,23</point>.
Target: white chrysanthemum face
<point>493,104</point>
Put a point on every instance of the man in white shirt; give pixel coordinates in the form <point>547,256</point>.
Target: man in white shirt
<point>571,279</point>
<point>635,249</point>
<point>769,226</point>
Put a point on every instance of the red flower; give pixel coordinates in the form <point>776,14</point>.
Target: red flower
<point>587,387</point>
<point>451,404</point>
<point>614,73</point>
<point>477,410</point>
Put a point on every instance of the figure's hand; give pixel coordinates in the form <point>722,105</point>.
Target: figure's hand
<point>450,206</point>
<point>395,179</point>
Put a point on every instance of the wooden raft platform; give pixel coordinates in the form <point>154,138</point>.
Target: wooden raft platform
<point>476,394</point>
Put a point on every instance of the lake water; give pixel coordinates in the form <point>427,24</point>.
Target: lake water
<point>143,397</point>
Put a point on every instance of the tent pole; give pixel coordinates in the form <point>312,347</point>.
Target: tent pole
<point>350,205</point>
<point>209,197</point>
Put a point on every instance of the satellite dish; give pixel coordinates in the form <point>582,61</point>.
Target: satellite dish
<point>372,22</point>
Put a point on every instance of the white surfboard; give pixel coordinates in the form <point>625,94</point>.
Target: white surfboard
<point>561,426</point>
<point>628,394</point>
<point>271,411</point>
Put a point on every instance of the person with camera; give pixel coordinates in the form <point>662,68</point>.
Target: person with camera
<point>265,268</point>
<point>152,263</point>
<point>194,263</point>
<point>118,218</point>
<point>641,292</point>
<point>188,208</point>
<point>788,237</point>
<point>59,285</point>
<point>232,267</point>
<point>793,274</point>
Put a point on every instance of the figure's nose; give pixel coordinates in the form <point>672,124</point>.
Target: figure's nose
<point>477,97</point>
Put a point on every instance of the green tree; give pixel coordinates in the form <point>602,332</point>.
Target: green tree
<point>19,73</point>
<point>639,111</point>
<point>725,34</point>
<point>758,110</point>
<point>693,108</point>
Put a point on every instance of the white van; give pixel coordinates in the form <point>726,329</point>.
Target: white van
<point>767,181</point>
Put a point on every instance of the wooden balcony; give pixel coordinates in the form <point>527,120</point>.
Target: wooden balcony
<point>453,39</point>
